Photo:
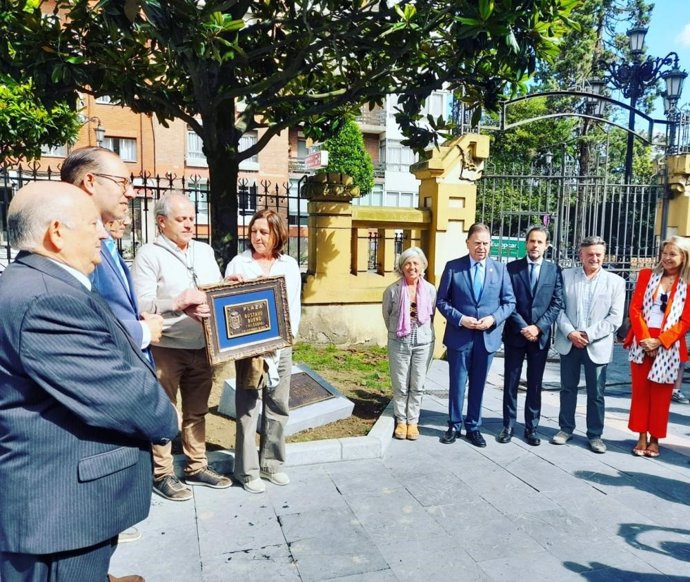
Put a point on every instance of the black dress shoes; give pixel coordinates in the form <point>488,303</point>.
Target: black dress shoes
<point>450,436</point>
<point>505,435</point>
<point>532,438</point>
<point>476,438</point>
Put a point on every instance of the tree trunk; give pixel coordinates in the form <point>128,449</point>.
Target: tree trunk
<point>221,143</point>
<point>223,207</point>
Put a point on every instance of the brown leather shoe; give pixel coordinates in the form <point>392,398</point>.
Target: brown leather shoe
<point>132,578</point>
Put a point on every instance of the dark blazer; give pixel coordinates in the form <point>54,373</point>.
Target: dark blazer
<point>79,405</point>
<point>455,299</point>
<point>540,308</point>
<point>107,280</point>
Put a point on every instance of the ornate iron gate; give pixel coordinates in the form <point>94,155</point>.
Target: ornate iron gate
<point>572,207</point>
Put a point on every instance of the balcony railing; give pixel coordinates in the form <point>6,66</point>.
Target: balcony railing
<point>376,117</point>
<point>296,166</point>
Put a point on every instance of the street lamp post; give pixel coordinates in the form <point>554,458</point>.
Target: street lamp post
<point>632,78</point>
<point>99,130</point>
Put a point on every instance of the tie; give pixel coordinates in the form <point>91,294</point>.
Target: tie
<point>478,280</point>
<point>533,276</point>
<point>112,249</point>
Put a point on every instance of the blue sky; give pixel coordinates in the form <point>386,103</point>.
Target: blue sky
<point>669,30</point>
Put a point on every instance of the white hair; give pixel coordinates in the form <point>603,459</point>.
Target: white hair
<point>411,253</point>
<point>163,205</point>
<point>28,218</point>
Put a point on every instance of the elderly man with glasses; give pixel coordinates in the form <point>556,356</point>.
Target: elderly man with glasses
<point>594,305</point>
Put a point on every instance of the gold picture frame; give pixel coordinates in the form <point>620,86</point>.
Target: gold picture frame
<point>247,319</point>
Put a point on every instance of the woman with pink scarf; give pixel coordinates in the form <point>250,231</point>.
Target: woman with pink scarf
<point>408,310</point>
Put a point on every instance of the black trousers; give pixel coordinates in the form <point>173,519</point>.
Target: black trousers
<point>83,565</point>
<point>536,362</point>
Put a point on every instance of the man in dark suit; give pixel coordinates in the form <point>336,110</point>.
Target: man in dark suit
<point>79,402</point>
<point>104,176</point>
<point>475,297</point>
<point>538,288</point>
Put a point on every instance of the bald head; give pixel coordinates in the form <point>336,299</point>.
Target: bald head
<point>56,220</point>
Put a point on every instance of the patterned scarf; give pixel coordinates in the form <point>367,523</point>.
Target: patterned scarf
<point>665,367</point>
<point>424,307</point>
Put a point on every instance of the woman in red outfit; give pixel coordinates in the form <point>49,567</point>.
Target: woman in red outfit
<point>659,318</point>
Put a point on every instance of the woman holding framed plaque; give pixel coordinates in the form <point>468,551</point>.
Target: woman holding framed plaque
<point>268,234</point>
<point>408,311</point>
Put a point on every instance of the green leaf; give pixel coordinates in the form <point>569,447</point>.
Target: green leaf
<point>486,8</point>
<point>31,6</point>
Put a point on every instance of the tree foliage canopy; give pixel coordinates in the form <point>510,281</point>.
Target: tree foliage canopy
<point>27,124</point>
<point>230,66</point>
<point>598,34</point>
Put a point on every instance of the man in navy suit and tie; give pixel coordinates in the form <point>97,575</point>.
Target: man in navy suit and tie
<point>475,297</point>
<point>104,176</point>
<point>538,288</point>
<point>79,402</point>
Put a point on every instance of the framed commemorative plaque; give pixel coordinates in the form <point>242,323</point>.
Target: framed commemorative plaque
<point>247,319</point>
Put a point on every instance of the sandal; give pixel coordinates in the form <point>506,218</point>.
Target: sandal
<point>651,453</point>
<point>639,452</point>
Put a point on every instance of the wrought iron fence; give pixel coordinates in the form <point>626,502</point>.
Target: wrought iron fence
<point>572,207</point>
<point>252,196</point>
<point>374,239</point>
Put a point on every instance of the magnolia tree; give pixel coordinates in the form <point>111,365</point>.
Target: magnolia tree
<point>226,67</point>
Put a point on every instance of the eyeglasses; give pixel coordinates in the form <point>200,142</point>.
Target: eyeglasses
<point>123,183</point>
<point>664,301</point>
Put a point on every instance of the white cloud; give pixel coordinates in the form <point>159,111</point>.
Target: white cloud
<point>684,37</point>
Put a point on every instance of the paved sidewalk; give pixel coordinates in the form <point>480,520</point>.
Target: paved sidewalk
<point>427,511</point>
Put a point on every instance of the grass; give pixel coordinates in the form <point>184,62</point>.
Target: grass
<point>361,374</point>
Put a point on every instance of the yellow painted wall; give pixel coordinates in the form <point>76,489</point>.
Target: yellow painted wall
<point>341,299</point>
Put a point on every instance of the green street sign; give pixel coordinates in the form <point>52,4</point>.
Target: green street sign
<point>507,247</point>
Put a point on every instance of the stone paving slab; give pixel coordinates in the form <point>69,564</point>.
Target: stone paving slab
<point>423,510</point>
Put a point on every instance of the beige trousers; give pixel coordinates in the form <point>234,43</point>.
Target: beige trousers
<point>188,372</point>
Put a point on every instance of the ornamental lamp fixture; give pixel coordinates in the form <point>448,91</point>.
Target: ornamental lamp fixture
<point>674,82</point>
<point>636,38</point>
<point>99,131</point>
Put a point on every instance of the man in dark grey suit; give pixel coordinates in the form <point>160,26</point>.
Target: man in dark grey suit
<point>79,403</point>
<point>538,288</point>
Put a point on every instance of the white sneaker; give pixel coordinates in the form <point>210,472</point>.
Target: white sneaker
<point>254,486</point>
<point>276,478</point>
<point>561,437</point>
<point>597,445</point>
<point>131,534</point>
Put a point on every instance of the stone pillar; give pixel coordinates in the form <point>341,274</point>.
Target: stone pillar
<point>449,189</point>
<point>330,223</point>
<point>678,168</point>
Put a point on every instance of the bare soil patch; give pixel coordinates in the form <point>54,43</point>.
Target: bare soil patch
<point>359,372</point>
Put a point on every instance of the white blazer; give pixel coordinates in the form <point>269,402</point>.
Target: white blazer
<point>603,320</point>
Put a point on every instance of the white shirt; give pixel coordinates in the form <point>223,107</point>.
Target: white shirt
<point>78,275</point>
<point>245,265</point>
<point>586,287</point>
